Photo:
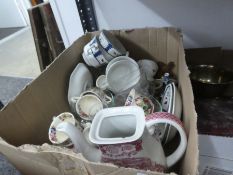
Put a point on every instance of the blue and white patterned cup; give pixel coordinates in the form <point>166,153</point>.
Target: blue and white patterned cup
<point>94,55</point>
<point>111,44</point>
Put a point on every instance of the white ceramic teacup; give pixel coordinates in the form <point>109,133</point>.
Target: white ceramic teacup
<point>90,102</point>
<point>149,67</point>
<point>87,106</point>
<point>60,138</point>
<point>100,94</point>
<point>121,75</point>
<point>119,58</point>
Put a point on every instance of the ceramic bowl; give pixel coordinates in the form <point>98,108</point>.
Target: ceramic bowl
<point>87,106</point>
<point>210,81</point>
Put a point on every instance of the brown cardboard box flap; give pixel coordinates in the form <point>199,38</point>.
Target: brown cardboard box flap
<point>26,120</point>
<point>48,159</point>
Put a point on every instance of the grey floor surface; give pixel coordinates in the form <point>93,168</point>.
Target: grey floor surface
<point>10,87</point>
<point>6,168</point>
<point>4,32</point>
<point>18,59</point>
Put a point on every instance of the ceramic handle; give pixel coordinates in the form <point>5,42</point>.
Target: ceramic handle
<point>131,97</point>
<point>107,99</point>
<point>75,99</point>
<point>101,82</point>
<point>167,118</point>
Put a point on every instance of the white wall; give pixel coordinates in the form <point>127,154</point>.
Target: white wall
<point>68,20</point>
<point>10,15</point>
<point>205,23</point>
<point>23,6</point>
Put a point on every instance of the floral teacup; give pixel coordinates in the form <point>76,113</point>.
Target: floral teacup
<point>60,138</point>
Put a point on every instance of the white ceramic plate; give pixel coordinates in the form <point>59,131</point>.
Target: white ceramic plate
<point>117,125</point>
<point>176,110</point>
<point>171,103</point>
<point>80,80</point>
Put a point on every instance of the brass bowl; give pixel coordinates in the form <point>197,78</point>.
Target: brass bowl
<point>210,81</point>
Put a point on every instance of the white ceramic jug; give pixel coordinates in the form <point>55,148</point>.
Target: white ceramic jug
<point>123,137</point>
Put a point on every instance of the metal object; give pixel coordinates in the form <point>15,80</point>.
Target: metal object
<point>87,15</point>
<point>210,81</point>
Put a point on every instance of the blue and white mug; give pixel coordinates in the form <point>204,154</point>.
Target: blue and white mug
<point>94,55</point>
<point>111,44</point>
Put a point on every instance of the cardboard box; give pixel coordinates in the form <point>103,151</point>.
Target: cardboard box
<point>216,154</point>
<point>26,119</point>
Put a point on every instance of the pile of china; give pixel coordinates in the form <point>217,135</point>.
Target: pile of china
<point>125,116</point>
